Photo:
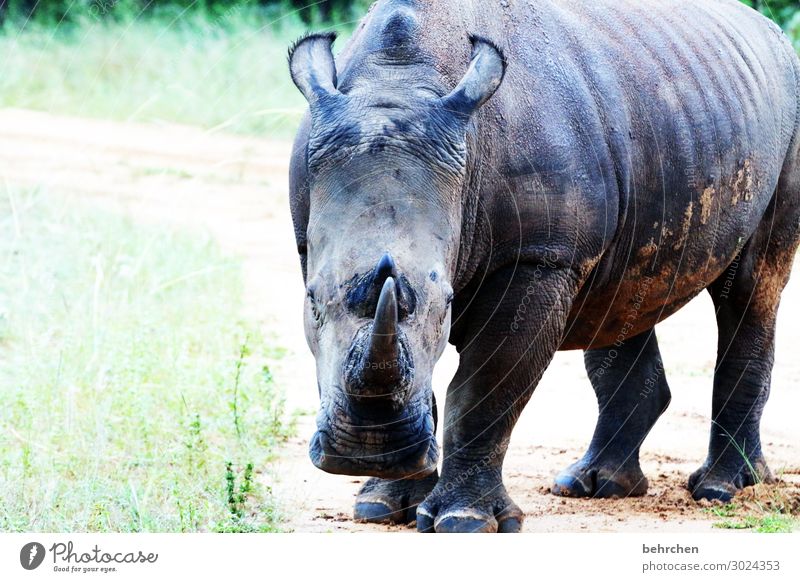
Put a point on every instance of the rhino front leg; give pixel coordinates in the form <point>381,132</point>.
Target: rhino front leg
<point>632,393</point>
<point>510,333</point>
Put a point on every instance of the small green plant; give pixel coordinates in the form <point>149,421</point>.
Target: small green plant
<point>195,445</point>
<point>747,522</point>
<point>237,497</point>
<point>187,512</point>
<point>727,510</point>
<point>777,523</point>
<point>237,422</point>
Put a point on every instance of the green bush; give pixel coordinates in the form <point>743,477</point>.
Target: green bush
<point>793,30</point>
<point>781,11</point>
<point>53,11</point>
<point>60,11</point>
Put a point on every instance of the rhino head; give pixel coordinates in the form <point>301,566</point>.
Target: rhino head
<point>386,167</point>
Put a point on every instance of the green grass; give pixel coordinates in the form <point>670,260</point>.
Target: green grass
<point>227,73</point>
<point>770,523</point>
<point>134,396</point>
<point>773,513</point>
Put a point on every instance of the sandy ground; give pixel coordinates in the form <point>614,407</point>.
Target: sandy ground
<point>236,188</point>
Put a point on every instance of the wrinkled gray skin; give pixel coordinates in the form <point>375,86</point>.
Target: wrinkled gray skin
<point>630,155</point>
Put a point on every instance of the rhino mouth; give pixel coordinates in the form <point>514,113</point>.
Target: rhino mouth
<point>402,447</point>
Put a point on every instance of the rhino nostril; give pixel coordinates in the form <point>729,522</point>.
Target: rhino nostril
<point>406,297</point>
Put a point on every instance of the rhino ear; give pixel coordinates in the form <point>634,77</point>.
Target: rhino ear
<point>483,77</point>
<point>312,66</point>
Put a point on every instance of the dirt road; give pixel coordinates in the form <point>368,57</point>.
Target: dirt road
<point>236,189</point>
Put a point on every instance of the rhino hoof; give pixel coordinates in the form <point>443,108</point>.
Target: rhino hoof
<point>717,486</point>
<point>713,492</point>
<point>577,481</point>
<point>446,512</point>
<point>456,524</point>
<point>392,501</point>
<point>466,523</point>
<point>379,512</point>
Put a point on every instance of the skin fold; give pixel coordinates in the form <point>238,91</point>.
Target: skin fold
<point>526,178</point>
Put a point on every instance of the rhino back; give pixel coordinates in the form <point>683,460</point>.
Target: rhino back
<point>632,138</point>
<point>635,138</point>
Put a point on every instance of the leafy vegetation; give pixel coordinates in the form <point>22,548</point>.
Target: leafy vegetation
<point>135,397</point>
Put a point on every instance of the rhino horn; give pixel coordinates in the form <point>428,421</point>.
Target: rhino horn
<point>381,363</point>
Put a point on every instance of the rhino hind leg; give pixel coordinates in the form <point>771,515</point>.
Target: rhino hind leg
<point>392,501</point>
<point>746,298</point>
<point>741,388</point>
<point>632,393</point>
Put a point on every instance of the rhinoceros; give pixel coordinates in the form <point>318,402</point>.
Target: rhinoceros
<point>519,178</point>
